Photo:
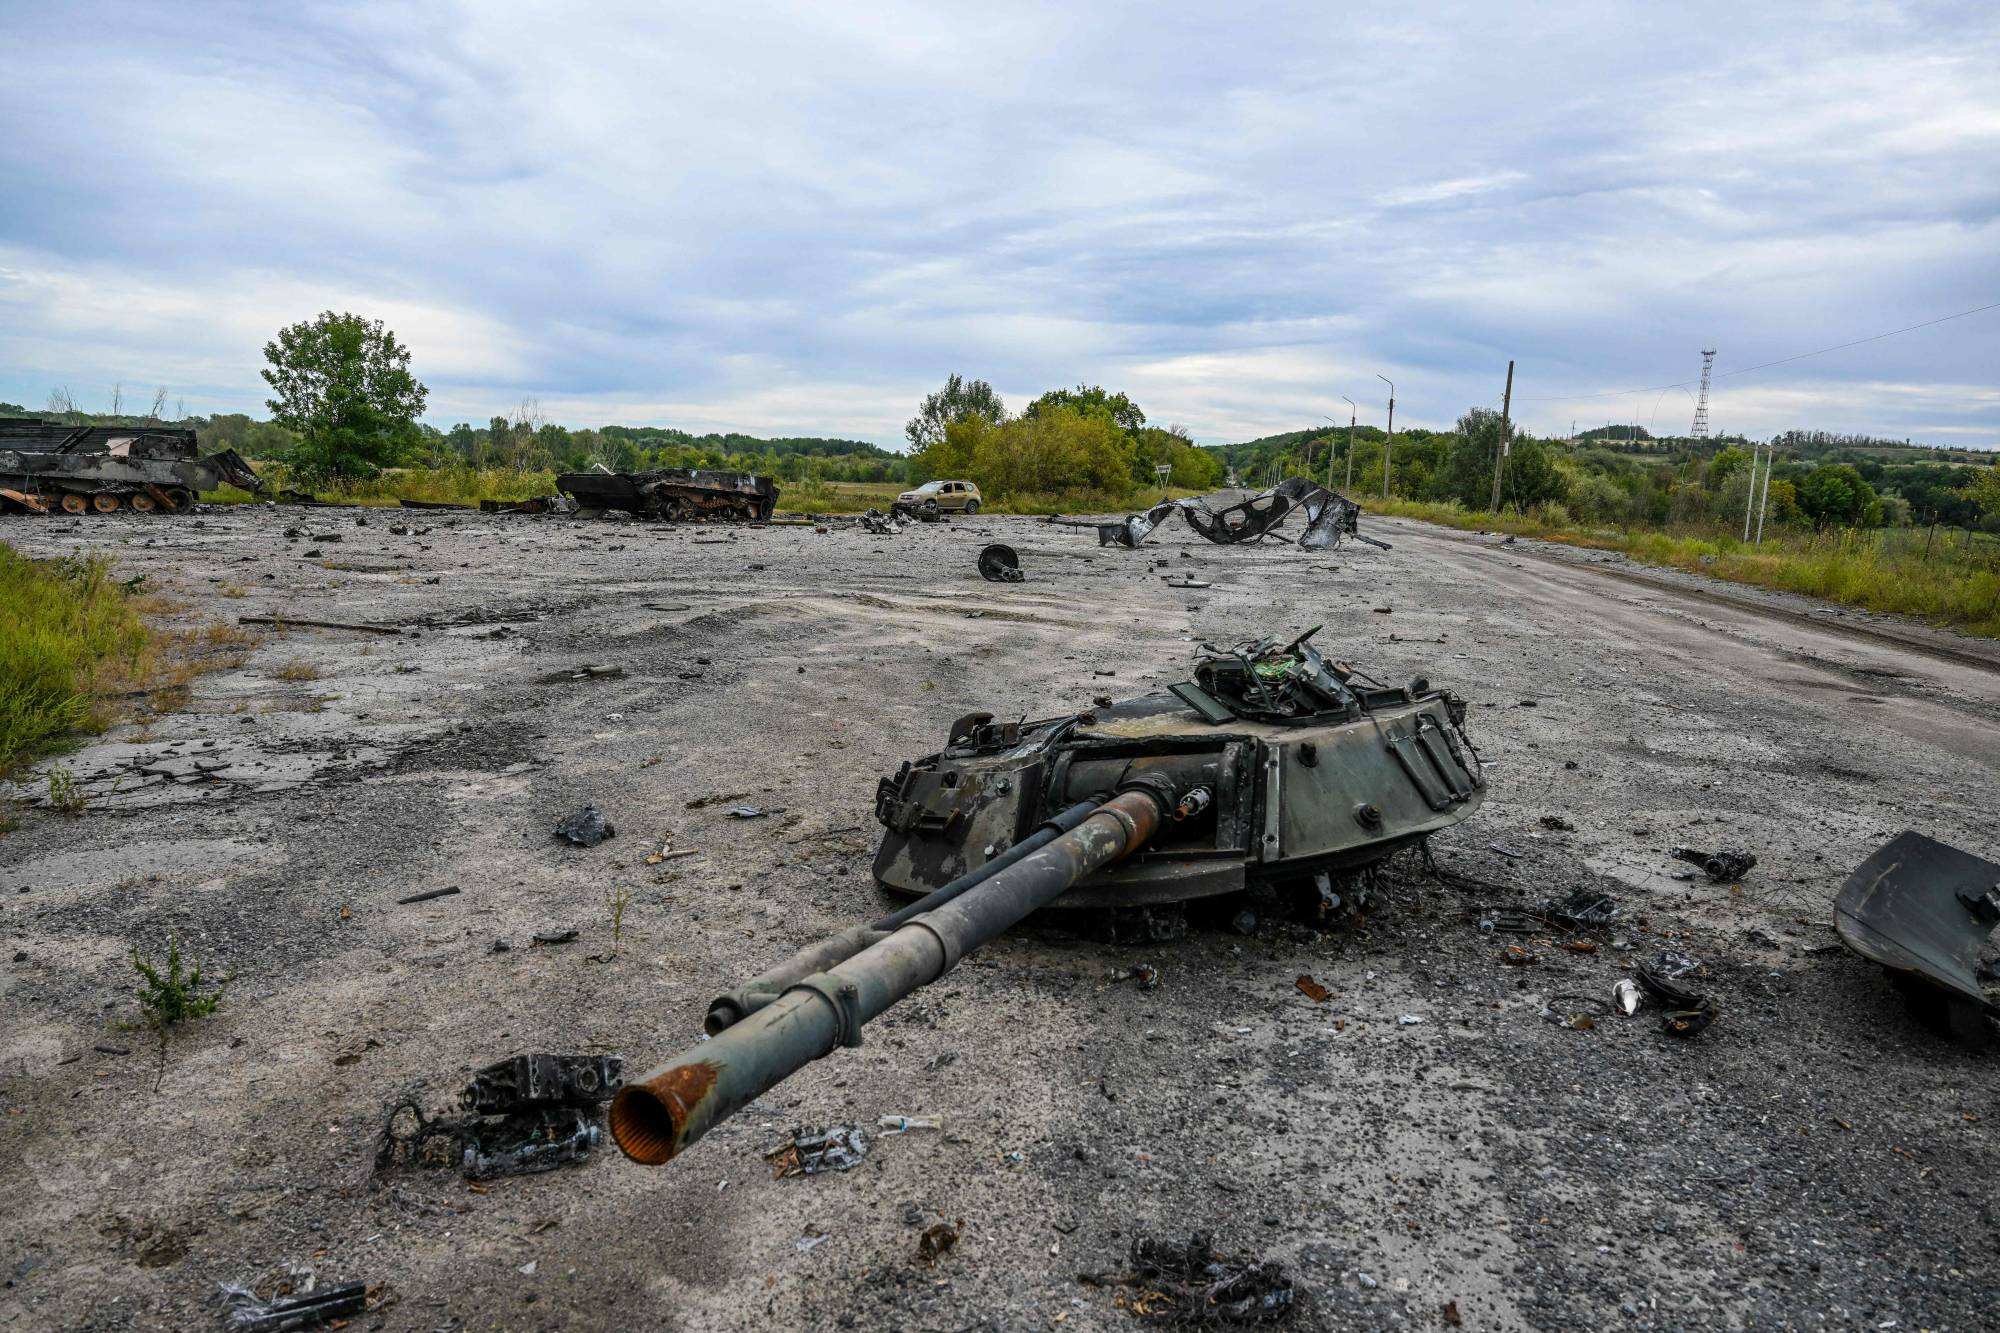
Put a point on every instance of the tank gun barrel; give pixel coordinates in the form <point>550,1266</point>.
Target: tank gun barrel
<point>653,1118</point>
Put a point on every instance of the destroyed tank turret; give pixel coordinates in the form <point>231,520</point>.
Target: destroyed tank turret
<point>672,493</point>
<point>46,465</point>
<point>1271,766</point>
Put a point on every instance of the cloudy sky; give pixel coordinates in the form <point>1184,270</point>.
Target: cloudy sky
<point>799,218</point>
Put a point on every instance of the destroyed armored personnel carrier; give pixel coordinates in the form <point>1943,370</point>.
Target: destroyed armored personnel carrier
<point>46,465</point>
<point>1272,766</point>
<point>672,493</point>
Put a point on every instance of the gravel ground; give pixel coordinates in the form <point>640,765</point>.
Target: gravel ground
<point>1813,1160</point>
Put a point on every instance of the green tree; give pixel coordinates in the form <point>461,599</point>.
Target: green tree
<point>958,400</point>
<point>1466,472</point>
<point>1087,398</point>
<point>1984,491</point>
<point>344,386</point>
<point>1726,463</point>
<point>1834,494</point>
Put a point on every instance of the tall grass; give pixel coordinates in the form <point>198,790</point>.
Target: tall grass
<point>1948,578</point>
<point>68,637</point>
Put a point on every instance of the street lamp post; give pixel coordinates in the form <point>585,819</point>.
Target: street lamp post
<point>1351,413</point>
<point>1390,438</point>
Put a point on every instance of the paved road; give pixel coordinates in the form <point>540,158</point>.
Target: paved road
<point>1814,1159</point>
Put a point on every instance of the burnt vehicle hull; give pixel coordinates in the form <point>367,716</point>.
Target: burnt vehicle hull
<point>1328,515</point>
<point>673,493</point>
<point>1293,800</point>
<point>104,469</point>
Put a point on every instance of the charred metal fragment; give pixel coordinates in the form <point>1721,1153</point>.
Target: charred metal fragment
<point>879,523</point>
<point>1923,911</point>
<point>1720,866</point>
<point>674,493</point>
<point>999,564</point>
<point>1328,517</point>
<point>529,1113</point>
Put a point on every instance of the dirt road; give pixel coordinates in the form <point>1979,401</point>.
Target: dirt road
<point>1813,1160</point>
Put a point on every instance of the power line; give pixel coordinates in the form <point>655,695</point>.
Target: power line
<point>1766,365</point>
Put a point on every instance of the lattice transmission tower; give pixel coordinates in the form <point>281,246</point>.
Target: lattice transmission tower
<point>1700,430</point>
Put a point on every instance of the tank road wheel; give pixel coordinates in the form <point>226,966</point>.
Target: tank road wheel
<point>104,502</point>
<point>142,503</point>
<point>73,503</point>
<point>180,498</point>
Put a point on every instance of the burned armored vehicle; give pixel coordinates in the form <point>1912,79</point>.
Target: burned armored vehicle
<point>672,493</point>
<point>1328,517</point>
<point>46,465</point>
<point>1272,766</point>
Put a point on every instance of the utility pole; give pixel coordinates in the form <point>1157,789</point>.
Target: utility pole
<point>1390,438</point>
<point>1352,412</point>
<point>1500,452</point>
<point>1770,457</point>
<point>1750,498</point>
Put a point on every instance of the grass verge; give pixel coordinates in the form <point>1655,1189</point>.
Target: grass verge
<point>70,637</point>
<point>1947,582</point>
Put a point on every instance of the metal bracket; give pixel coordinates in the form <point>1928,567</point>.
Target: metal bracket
<point>842,997</point>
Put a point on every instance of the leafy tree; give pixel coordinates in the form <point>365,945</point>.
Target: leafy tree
<point>1726,464</point>
<point>1090,397</point>
<point>1532,477</point>
<point>959,399</point>
<point>1835,494</point>
<point>1467,472</point>
<point>1984,491</point>
<point>343,384</point>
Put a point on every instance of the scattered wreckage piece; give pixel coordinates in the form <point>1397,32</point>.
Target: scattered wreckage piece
<point>1329,516</point>
<point>287,622</point>
<point>106,469</point>
<point>1721,867</point>
<point>1318,771</point>
<point>528,1114</point>
<point>432,504</point>
<point>585,828</point>
<point>244,1313</point>
<point>917,511</point>
<point>1192,1284</point>
<point>999,564</point>
<point>1923,911</point>
<point>674,494</point>
<point>811,1151</point>
<point>534,504</point>
<point>879,523</point>
<point>1685,1012</point>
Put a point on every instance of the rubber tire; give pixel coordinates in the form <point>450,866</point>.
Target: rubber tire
<point>971,508</point>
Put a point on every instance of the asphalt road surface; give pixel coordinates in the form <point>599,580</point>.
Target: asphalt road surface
<point>1813,1160</point>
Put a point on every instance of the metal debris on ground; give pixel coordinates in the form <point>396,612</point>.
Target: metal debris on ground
<point>1720,866</point>
<point>1144,974</point>
<point>903,1124</point>
<point>1582,910</point>
<point>244,1313</point>
<point>747,812</point>
<point>586,828</point>
<point>1923,911</point>
<point>529,1113</point>
<point>879,523</point>
<point>1685,1012</point>
<point>565,935</point>
<point>936,1240</point>
<point>812,1151</point>
<point>999,564</point>
<point>1312,990</point>
<point>1557,824</point>
<point>1625,994</point>
<point>1192,1283</point>
<point>427,895</point>
<point>1328,517</point>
